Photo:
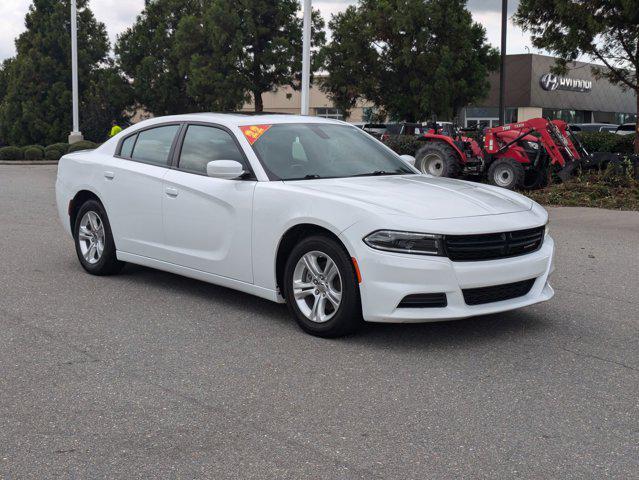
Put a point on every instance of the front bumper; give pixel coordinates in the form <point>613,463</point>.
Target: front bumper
<point>388,277</point>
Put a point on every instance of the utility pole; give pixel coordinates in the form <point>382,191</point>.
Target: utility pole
<point>306,57</point>
<point>75,135</point>
<point>502,68</point>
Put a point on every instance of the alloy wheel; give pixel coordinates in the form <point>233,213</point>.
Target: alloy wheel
<point>317,286</point>
<point>91,237</point>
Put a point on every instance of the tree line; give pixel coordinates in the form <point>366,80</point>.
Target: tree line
<point>409,57</point>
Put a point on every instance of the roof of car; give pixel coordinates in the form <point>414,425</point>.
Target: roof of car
<point>240,118</point>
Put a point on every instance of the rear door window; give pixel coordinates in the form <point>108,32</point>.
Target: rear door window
<point>154,145</point>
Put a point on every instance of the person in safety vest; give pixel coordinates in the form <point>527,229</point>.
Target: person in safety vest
<point>115,129</point>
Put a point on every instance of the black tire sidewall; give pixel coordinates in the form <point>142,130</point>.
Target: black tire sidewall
<point>349,314</point>
<point>108,263</point>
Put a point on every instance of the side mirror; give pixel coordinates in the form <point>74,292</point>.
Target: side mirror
<point>227,169</point>
<point>408,159</point>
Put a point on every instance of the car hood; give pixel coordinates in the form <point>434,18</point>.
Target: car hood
<point>420,196</point>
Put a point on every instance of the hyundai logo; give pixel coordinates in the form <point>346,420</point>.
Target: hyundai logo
<point>552,82</point>
<point>549,82</point>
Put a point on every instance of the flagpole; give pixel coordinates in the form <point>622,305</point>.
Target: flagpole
<point>75,135</point>
<point>306,58</point>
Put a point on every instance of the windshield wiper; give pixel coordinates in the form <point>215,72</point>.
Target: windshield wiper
<point>377,173</point>
<point>310,176</point>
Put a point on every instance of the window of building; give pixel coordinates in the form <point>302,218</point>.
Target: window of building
<point>154,145</point>
<point>204,144</point>
<point>570,116</point>
<point>334,113</point>
<point>625,118</point>
<point>484,117</point>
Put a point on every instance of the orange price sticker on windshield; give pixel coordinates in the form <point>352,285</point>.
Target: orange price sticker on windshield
<point>253,132</point>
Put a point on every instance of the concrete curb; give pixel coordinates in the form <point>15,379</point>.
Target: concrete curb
<point>28,162</point>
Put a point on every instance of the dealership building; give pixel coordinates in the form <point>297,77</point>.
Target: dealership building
<point>531,91</point>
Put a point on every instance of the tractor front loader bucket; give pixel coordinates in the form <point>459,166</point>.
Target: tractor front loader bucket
<point>566,172</point>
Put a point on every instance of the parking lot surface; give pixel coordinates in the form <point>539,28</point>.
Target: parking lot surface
<point>151,375</point>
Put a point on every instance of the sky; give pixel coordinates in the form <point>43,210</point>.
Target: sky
<point>117,15</point>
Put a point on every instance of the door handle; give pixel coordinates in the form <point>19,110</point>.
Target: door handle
<point>171,192</point>
<point>109,175</point>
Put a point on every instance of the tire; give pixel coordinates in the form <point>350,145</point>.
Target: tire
<point>332,317</point>
<point>92,218</point>
<point>437,159</point>
<point>536,179</point>
<point>506,173</point>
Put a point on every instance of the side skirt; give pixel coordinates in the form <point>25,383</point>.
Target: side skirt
<point>200,275</point>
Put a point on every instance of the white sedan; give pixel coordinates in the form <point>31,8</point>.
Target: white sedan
<point>307,211</point>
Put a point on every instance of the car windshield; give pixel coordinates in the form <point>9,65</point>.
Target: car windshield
<point>308,151</point>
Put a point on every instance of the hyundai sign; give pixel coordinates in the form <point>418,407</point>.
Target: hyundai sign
<point>552,82</point>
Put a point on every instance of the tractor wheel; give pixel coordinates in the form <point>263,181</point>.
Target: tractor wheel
<point>535,179</point>
<point>437,159</point>
<point>506,173</point>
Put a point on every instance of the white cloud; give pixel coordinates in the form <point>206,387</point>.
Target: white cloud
<point>118,14</point>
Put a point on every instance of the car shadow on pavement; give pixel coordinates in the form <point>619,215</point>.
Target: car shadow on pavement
<point>514,325</point>
<point>200,290</point>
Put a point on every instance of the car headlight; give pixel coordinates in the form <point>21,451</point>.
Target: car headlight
<point>547,229</point>
<point>406,242</point>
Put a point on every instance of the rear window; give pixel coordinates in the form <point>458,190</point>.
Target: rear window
<point>127,146</point>
<point>154,145</point>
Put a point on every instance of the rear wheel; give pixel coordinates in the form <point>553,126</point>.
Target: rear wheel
<point>321,289</point>
<point>93,240</point>
<point>506,173</point>
<point>437,159</point>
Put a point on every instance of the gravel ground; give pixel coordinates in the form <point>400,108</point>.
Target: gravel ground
<point>150,375</point>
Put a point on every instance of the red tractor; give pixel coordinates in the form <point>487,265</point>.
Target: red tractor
<point>517,155</point>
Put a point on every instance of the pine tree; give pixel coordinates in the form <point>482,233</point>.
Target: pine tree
<point>36,107</point>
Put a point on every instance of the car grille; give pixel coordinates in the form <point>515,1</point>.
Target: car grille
<point>497,293</point>
<point>464,248</point>
<point>424,300</point>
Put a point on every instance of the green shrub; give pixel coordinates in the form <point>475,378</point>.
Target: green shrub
<point>625,144</point>
<point>55,151</point>
<point>51,154</point>
<point>38,147</point>
<point>83,145</point>
<point>607,142</point>
<point>403,144</point>
<point>599,141</point>
<point>60,147</point>
<point>11,153</point>
<point>33,153</point>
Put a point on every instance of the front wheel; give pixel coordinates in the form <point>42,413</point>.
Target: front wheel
<point>437,159</point>
<point>506,173</point>
<point>321,289</point>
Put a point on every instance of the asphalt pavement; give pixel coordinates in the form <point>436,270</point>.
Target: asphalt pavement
<point>151,375</point>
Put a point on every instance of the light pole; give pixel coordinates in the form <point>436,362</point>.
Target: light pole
<point>502,68</point>
<point>306,57</point>
<point>75,135</point>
